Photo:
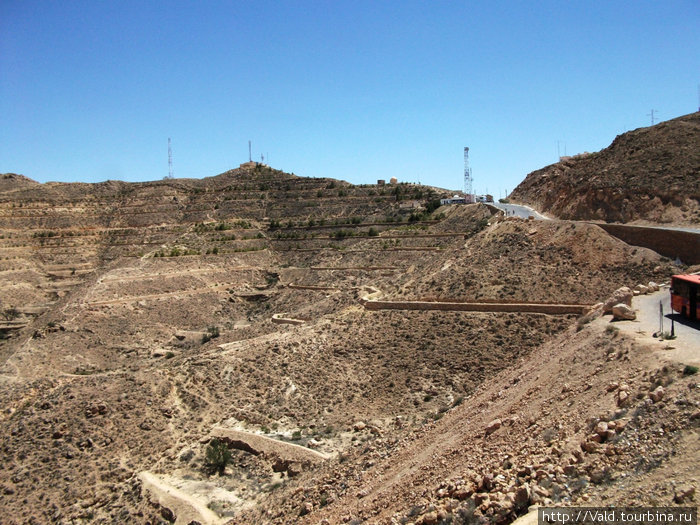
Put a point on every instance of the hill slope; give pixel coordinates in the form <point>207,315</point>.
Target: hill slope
<point>143,318</point>
<point>646,175</point>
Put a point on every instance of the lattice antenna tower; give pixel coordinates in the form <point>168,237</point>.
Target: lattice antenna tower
<point>652,116</point>
<point>170,159</point>
<point>467,173</point>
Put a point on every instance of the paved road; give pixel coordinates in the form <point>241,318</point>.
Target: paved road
<point>518,210</point>
<point>522,211</point>
<point>685,348</point>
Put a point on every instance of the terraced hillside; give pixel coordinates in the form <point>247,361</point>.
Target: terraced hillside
<point>150,319</point>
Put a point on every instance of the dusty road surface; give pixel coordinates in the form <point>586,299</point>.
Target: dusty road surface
<point>653,320</point>
<point>519,210</point>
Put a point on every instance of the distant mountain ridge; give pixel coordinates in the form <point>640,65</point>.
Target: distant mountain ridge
<point>646,175</point>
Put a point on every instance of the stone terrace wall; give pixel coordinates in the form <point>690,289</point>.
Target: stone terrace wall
<point>554,309</point>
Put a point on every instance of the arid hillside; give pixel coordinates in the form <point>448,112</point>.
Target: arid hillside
<point>147,325</point>
<point>646,175</point>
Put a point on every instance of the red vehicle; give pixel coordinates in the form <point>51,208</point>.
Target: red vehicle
<point>685,290</point>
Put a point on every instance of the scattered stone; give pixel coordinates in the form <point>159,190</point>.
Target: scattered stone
<point>167,514</point>
<point>486,484</point>
<point>480,498</point>
<point>622,397</point>
<point>521,498</point>
<point>684,494</point>
<point>598,476</point>
<point>359,426</point>
<point>463,492</point>
<point>601,428</point>
<point>493,426</point>
<point>657,394</point>
<point>589,446</point>
<point>622,312</point>
<point>620,296</point>
<point>294,469</point>
<point>306,508</point>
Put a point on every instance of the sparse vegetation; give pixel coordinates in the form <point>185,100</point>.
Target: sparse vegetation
<point>217,457</point>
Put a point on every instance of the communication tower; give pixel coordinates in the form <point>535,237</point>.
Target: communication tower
<point>170,159</point>
<point>467,173</point>
<point>652,116</point>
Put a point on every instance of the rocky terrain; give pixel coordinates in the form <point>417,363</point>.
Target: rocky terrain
<point>649,175</point>
<point>145,323</point>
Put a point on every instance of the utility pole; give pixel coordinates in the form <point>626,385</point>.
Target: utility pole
<point>250,153</point>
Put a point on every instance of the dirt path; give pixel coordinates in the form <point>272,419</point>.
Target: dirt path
<point>186,508</point>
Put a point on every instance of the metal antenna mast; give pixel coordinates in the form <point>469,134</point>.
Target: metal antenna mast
<point>467,173</point>
<point>250,154</point>
<point>652,115</point>
<point>170,159</point>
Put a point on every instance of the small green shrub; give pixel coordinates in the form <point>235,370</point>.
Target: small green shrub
<point>217,456</point>
<point>690,370</point>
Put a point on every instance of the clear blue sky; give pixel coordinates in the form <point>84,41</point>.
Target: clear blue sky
<point>356,90</point>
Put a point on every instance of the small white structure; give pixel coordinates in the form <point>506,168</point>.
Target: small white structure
<point>457,199</point>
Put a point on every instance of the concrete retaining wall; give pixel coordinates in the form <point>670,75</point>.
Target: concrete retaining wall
<point>555,309</point>
<point>314,288</point>
<point>257,444</point>
<point>281,319</point>
<point>671,243</point>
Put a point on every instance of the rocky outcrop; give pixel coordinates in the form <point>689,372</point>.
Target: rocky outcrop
<point>649,173</point>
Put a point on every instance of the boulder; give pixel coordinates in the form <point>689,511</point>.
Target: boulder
<point>493,426</point>
<point>622,397</point>
<point>601,428</point>
<point>359,426</point>
<point>684,494</point>
<point>521,498</point>
<point>657,394</point>
<point>589,446</point>
<point>653,287</point>
<point>622,295</point>
<point>623,312</point>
